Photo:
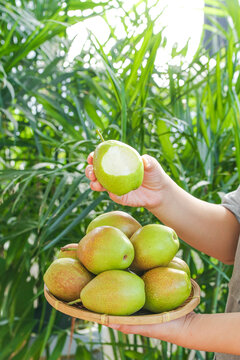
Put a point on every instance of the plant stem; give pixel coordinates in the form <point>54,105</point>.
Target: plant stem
<point>100,135</point>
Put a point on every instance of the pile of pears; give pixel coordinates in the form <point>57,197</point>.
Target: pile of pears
<point>120,267</point>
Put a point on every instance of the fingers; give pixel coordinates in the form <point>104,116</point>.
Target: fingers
<point>145,330</point>
<point>90,158</point>
<point>90,173</point>
<point>96,186</point>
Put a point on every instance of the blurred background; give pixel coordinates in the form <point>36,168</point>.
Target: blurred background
<point>162,76</point>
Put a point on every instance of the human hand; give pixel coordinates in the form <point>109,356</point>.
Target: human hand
<point>147,195</point>
<point>175,331</point>
<point>204,332</point>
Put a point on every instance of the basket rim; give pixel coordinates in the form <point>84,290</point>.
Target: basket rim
<point>146,319</point>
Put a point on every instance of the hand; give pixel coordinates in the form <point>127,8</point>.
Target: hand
<point>175,331</point>
<point>204,332</point>
<point>147,195</point>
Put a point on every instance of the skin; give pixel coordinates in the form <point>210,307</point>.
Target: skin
<point>214,230</point>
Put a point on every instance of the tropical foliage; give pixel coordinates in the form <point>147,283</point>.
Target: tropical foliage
<point>185,115</point>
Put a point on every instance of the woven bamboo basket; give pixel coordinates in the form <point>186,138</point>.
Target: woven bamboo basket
<point>139,318</point>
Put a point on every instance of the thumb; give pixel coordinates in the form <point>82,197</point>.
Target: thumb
<point>149,162</point>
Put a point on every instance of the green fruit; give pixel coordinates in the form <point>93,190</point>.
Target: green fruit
<point>179,264</point>
<point>118,167</point>
<point>65,278</point>
<point>165,288</point>
<point>114,292</point>
<point>155,245</point>
<point>68,251</point>
<point>105,248</point>
<point>119,219</point>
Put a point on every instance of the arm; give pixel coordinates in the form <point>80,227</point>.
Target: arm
<point>207,332</point>
<point>207,227</point>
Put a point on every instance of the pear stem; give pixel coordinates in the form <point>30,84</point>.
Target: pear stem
<point>100,135</point>
<point>74,302</point>
<point>68,249</point>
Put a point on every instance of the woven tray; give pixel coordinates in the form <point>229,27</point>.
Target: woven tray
<point>139,318</point>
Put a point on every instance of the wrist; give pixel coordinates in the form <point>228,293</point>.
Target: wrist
<point>186,336</point>
<point>160,195</point>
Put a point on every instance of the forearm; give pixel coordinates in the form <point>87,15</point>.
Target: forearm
<point>207,227</point>
<point>212,333</point>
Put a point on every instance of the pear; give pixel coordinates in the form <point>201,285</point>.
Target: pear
<point>165,288</point>
<point>65,278</point>
<point>118,167</point>
<point>119,219</point>
<point>114,292</point>
<point>105,248</point>
<point>155,245</point>
<point>68,251</point>
<point>179,264</point>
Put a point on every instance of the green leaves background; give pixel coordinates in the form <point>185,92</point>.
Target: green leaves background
<point>185,116</point>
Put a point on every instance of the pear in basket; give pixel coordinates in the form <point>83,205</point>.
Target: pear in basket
<point>118,219</point>
<point>105,248</point>
<point>165,288</point>
<point>179,264</point>
<point>154,245</point>
<point>114,292</point>
<point>65,278</point>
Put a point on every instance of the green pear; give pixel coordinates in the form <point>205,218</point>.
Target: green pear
<point>65,278</point>
<point>155,245</point>
<point>118,167</point>
<point>119,219</point>
<point>114,292</point>
<point>68,251</point>
<point>165,288</point>
<point>179,264</point>
<point>105,248</point>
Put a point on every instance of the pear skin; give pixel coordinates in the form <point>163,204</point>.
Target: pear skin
<point>165,288</point>
<point>118,167</point>
<point>65,278</point>
<point>155,245</point>
<point>68,251</point>
<point>179,264</point>
<point>114,292</point>
<point>119,219</point>
<point>105,248</point>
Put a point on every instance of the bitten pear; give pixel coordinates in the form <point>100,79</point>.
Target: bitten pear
<point>105,248</point>
<point>155,245</point>
<point>114,292</point>
<point>119,219</point>
<point>65,278</point>
<point>118,167</point>
<point>165,288</point>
